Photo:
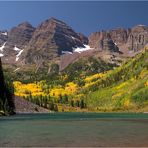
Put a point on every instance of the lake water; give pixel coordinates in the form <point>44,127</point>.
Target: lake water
<point>74,129</point>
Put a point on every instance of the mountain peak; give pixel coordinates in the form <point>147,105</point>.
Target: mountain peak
<point>141,25</point>
<point>53,22</point>
<point>53,36</point>
<point>57,21</point>
<point>139,28</point>
<point>25,24</point>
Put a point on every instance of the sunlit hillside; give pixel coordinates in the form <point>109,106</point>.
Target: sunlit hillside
<point>124,88</point>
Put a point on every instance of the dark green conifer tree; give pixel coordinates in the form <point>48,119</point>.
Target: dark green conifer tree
<point>6,94</point>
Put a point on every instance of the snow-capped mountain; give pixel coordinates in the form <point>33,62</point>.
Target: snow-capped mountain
<point>53,39</point>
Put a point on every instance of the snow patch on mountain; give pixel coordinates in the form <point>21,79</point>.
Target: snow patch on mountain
<point>66,52</point>
<point>82,49</point>
<point>73,38</point>
<point>1,55</point>
<point>115,44</point>
<point>4,33</point>
<point>16,49</point>
<point>17,56</point>
<point>2,47</point>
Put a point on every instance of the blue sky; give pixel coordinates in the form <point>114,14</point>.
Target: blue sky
<point>82,16</point>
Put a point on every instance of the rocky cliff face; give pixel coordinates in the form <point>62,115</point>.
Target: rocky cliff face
<point>25,45</point>
<point>102,41</point>
<point>3,37</point>
<point>83,38</point>
<point>137,38</point>
<point>20,36</point>
<point>121,39</point>
<point>51,38</point>
<point>15,41</point>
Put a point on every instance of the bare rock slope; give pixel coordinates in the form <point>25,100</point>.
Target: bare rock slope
<point>25,46</point>
<point>24,106</point>
<point>124,40</point>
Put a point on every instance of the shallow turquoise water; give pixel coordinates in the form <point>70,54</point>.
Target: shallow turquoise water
<point>74,129</point>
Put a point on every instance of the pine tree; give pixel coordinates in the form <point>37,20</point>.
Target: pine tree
<point>6,94</point>
<point>82,105</point>
<point>78,103</point>
<point>55,108</point>
<point>72,103</point>
<point>51,105</point>
<point>60,99</point>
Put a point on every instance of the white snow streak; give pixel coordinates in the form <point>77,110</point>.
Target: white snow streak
<point>4,33</point>
<point>1,55</point>
<point>78,49</point>
<point>66,52</point>
<point>17,56</point>
<point>2,47</point>
<point>115,44</point>
<point>81,49</point>
<point>73,38</point>
<point>16,49</point>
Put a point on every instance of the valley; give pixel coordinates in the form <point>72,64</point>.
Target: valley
<point>73,73</point>
<point>121,89</point>
<point>60,70</point>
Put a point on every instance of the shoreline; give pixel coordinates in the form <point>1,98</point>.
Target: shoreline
<point>80,112</point>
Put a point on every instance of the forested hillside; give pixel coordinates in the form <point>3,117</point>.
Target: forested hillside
<point>58,90</point>
<point>91,85</point>
<point>125,88</point>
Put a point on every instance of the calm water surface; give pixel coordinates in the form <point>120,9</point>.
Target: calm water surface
<point>74,129</point>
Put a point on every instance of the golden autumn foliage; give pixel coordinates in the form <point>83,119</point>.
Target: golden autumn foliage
<point>121,85</point>
<point>146,83</point>
<point>126,103</point>
<point>119,94</point>
<point>27,89</point>
<point>37,89</point>
<point>95,76</point>
<point>55,92</point>
<point>69,89</point>
<point>89,84</point>
<point>143,73</point>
